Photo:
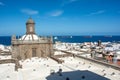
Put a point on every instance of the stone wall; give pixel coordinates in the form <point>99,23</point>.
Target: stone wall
<point>98,63</point>
<point>17,65</point>
<point>7,61</point>
<point>25,51</point>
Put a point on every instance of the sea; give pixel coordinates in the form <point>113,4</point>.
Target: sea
<point>6,40</point>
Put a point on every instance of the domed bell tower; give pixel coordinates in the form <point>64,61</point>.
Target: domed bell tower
<point>30,29</point>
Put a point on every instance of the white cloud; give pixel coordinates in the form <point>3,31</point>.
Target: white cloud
<point>97,12</point>
<point>65,2</point>
<point>30,11</point>
<point>2,4</point>
<point>56,13</point>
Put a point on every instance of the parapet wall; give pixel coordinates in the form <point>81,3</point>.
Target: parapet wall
<point>7,61</point>
<point>17,65</point>
<point>100,63</point>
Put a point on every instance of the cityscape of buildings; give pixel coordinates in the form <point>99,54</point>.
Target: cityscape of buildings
<point>38,53</point>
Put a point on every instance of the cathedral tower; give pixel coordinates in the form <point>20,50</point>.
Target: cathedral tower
<point>30,29</point>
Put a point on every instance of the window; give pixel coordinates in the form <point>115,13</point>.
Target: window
<point>33,52</point>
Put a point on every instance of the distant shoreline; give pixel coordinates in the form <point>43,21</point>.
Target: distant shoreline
<point>6,40</point>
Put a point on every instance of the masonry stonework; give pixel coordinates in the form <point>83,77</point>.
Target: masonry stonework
<point>30,45</point>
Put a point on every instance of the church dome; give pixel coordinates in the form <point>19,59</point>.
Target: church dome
<point>29,37</point>
<point>30,20</point>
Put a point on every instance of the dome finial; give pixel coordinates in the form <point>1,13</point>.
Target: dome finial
<point>30,20</point>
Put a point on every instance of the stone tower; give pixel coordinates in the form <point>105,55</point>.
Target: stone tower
<point>31,45</point>
<point>30,29</point>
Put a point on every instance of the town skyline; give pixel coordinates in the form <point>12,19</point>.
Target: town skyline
<point>61,17</point>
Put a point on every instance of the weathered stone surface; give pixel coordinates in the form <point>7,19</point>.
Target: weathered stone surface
<point>31,45</point>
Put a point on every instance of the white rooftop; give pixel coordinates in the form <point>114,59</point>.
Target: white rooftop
<point>41,69</point>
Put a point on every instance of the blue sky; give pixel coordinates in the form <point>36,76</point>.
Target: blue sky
<point>61,17</point>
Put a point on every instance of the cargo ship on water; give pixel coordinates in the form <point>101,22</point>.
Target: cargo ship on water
<point>109,36</point>
<point>87,36</point>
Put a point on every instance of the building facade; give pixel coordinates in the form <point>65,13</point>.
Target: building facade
<point>31,45</point>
